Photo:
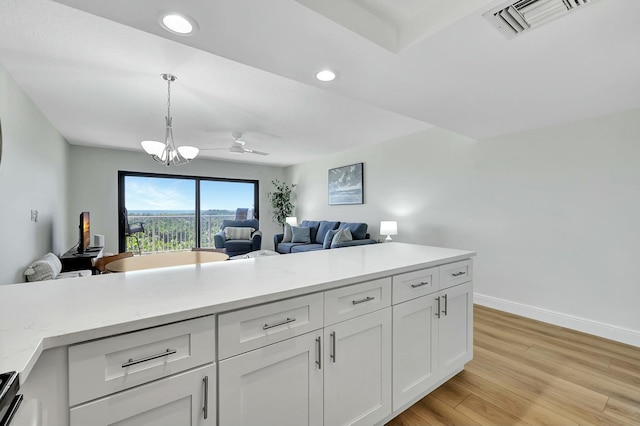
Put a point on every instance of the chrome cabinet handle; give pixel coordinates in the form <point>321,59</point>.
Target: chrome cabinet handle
<point>205,409</point>
<point>318,353</point>
<point>458,274</point>
<point>149,358</point>
<point>419,285</point>
<point>332,355</point>
<point>438,310</point>
<point>276,324</point>
<point>445,304</point>
<point>366,299</point>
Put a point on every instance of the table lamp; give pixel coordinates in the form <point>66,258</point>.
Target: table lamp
<point>388,228</point>
<point>292,220</point>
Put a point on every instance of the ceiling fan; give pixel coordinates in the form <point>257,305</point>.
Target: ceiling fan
<point>237,147</point>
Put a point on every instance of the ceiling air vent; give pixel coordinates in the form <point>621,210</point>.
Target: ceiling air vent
<point>514,18</point>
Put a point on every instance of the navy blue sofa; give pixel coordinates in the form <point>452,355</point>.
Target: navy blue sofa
<point>318,230</point>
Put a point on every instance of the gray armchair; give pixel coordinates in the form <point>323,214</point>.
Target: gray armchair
<point>236,247</point>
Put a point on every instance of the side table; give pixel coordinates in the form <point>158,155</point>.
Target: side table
<point>73,261</point>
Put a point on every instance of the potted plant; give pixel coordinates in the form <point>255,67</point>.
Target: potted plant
<point>280,199</point>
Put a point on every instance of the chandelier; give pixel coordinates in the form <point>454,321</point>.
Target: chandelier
<point>167,153</point>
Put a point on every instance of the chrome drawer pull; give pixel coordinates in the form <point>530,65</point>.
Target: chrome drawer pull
<point>419,285</point>
<point>458,274</point>
<point>366,299</point>
<point>318,353</point>
<point>445,305</point>
<point>205,408</point>
<point>149,358</point>
<point>275,324</point>
<point>332,354</point>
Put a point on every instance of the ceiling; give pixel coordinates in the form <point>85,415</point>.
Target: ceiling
<point>403,66</point>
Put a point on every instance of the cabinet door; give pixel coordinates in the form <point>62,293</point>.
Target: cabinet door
<point>178,400</point>
<point>415,337</point>
<point>357,376</point>
<point>279,384</point>
<point>455,346</point>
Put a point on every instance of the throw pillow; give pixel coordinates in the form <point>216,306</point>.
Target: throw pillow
<point>343,235</point>
<point>328,237</point>
<point>313,228</point>
<point>358,229</point>
<point>300,234</point>
<point>233,233</point>
<point>323,227</point>
<point>287,233</point>
<point>46,268</point>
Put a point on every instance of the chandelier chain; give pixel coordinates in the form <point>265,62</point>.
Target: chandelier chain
<point>169,97</point>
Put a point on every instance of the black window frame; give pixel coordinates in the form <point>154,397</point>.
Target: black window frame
<point>122,174</point>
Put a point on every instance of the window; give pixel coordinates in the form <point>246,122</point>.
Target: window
<point>166,206</point>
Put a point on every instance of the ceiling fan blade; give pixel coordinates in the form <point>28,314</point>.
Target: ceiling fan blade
<point>253,151</point>
<point>237,147</point>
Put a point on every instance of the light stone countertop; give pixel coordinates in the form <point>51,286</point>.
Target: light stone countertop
<point>47,314</point>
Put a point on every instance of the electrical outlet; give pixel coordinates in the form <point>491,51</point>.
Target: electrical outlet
<point>34,215</point>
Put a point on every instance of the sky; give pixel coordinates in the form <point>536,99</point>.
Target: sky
<point>147,193</point>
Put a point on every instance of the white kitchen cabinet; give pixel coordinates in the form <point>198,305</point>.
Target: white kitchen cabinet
<point>185,399</point>
<point>279,384</point>
<point>432,334</point>
<point>357,370</point>
<point>455,328</point>
<point>415,337</point>
<point>134,358</point>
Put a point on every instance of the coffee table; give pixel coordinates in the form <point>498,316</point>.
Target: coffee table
<point>162,260</point>
<point>257,253</point>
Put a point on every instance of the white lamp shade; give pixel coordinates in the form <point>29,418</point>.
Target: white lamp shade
<point>153,147</point>
<point>388,227</point>
<point>188,152</point>
<point>292,220</point>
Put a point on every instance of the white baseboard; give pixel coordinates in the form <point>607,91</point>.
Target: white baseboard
<point>619,334</point>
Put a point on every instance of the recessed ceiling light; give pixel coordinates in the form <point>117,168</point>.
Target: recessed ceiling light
<point>326,75</point>
<point>178,24</point>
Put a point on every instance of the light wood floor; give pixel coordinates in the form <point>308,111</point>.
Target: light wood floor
<point>528,372</point>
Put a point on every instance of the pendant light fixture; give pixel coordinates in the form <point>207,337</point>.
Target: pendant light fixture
<point>167,153</point>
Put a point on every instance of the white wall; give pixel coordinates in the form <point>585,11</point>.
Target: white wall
<point>552,213</point>
<point>33,175</point>
<point>93,187</point>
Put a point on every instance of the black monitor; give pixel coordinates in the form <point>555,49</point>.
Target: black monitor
<point>85,232</point>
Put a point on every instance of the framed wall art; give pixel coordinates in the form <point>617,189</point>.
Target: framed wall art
<point>346,185</point>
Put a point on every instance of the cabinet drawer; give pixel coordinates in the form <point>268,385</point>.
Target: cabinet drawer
<point>252,328</point>
<point>455,273</point>
<point>355,300</point>
<point>182,399</point>
<point>415,284</point>
<point>109,365</point>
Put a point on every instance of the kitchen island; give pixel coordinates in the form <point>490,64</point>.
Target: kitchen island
<point>230,321</point>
